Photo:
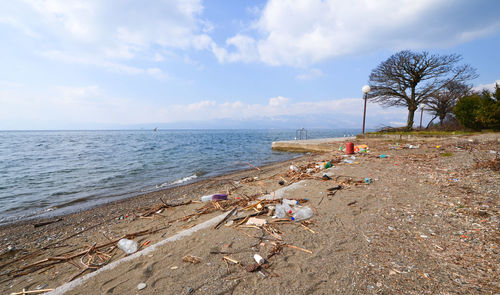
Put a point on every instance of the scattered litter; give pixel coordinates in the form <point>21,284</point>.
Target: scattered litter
<point>330,189</point>
<point>258,259</point>
<point>256,221</point>
<point>230,259</point>
<point>252,267</point>
<point>191,259</point>
<point>362,148</point>
<point>127,246</point>
<point>289,202</point>
<point>325,177</point>
<point>216,197</point>
<point>349,148</point>
<point>38,224</point>
<point>368,180</point>
<point>383,156</point>
<point>302,213</point>
<point>327,165</point>
<point>294,168</point>
<point>174,267</point>
<point>352,203</point>
<point>282,210</point>
<point>26,292</point>
<point>141,286</point>
<point>348,161</point>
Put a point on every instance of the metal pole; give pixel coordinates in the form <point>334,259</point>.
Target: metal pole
<point>421,115</point>
<point>364,113</point>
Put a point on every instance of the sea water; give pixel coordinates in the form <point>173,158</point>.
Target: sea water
<point>54,172</point>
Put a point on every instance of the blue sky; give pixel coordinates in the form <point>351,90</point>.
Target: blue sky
<point>222,64</point>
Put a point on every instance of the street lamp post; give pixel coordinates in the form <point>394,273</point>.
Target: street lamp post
<point>421,114</point>
<point>365,90</point>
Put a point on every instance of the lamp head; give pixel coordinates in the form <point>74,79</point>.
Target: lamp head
<point>366,89</point>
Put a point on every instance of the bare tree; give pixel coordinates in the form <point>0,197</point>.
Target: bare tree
<point>409,78</point>
<point>441,103</point>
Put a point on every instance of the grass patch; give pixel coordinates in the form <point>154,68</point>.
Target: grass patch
<point>446,154</point>
<point>425,133</point>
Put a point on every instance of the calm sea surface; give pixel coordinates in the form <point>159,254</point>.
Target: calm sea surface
<point>54,172</point>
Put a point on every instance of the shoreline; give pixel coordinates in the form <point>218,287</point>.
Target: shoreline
<point>420,209</point>
<point>47,215</point>
<point>140,197</point>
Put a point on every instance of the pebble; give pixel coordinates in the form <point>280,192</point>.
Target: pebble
<point>141,286</point>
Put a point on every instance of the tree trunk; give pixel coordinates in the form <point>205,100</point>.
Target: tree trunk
<point>441,119</point>
<point>411,115</point>
<point>430,122</point>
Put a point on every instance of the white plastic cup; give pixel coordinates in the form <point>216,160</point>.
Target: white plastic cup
<point>128,246</point>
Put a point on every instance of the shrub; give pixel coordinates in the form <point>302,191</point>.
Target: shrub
<point>467,110</point>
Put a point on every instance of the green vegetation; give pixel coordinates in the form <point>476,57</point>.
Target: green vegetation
<point>446,154</point>
<point>479,111</point>
<point>424,133</point>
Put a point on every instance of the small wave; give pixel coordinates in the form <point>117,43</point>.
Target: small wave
<point>178,181</point>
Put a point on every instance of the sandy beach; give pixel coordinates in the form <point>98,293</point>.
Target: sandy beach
<point>419,220</point>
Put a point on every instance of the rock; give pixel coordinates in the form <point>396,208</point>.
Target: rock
<point>141,286</point>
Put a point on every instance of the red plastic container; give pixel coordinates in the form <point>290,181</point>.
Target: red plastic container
<point>349,148</point>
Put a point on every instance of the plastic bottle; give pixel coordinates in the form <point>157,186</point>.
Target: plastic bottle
<point>128,246</point>
<point>258,259</point>
<point>289,202</point>
<point>282,210</point>
<point>302,213</point>
<point>206,198</point>
<point>216,197</point>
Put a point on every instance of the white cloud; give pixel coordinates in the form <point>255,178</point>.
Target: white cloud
<point>310,74</point>
<point>244,50</point>
<point>90,105</point>
<point>19,26</point>
<point>489,87</point>
<point>278,101</point>
<point>103,63</point>
<point>117,35</point>
<point>303,32</point>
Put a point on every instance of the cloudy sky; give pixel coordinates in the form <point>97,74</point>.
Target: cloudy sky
<point>98,64</point>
